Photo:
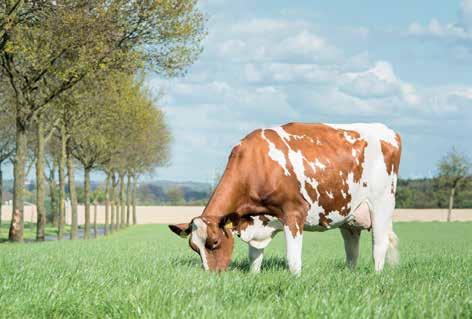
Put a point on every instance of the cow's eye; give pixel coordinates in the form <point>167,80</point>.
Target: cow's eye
<point>213,243</point>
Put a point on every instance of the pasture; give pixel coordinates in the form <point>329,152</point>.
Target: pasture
<point>146,271</point>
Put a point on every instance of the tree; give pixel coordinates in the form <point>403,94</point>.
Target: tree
<point>7,148</point>
<point>454,168</point>
<point>47,47</point>
<point>176,196</point>
<point>91,139</point>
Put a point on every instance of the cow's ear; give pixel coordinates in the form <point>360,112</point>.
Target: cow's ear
<point>183,230</point>
<point>230,221</point>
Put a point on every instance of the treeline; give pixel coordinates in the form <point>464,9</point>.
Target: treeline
<point>72,98</point>
<point>428,193</point>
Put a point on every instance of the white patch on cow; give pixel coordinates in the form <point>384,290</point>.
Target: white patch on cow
<point>330,195</point>
<point>378,131</point>
<point>259,236</point>
<point>199,237</point>
<point>349,138</point>
<point>319,164</point>
<point>276,155</point>
<point>336,219</point>
<point>279,130</point>
<point>255,259</point>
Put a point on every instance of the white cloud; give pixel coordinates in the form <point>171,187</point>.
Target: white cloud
<point>270,40</point>
<point>232,47</point>
<point>305,43</point>
<point>263,72</point>
<point>461,30</point>
<point>379,82</point>
<point>436,29</point>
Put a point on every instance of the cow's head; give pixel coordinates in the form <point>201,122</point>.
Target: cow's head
<point>211,238</point>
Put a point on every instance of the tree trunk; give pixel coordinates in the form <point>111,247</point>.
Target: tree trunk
<point>107,203</point>
<point>113,204</point>
<point>115,184</point>
<point>133,198</point>
<point>128,200</point>
<point>87,202</point>
<point>1,196</point>
<point>40,191</point>
<point>122,200</point>
<point>73,195</point>
<point>16,226</point>
<point>52,195</point>
<point>95,230</point>
<point>451,203</point>
<point>62,185</point>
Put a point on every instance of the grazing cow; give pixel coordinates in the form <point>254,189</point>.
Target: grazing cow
<point>302,177</point>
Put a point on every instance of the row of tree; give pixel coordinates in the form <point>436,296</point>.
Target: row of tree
<point>71,90</point>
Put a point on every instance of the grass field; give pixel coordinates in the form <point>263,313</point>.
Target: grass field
<point>146,271</point>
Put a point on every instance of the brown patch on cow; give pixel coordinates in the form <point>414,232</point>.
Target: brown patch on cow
<point>364,184</point>
<point>264,219</point>
<point>311,191</point>
<point>392,155</point>
<point>295,221</point>
<point>324,221</point>
<point>245,222</point>
<point>248,220</point>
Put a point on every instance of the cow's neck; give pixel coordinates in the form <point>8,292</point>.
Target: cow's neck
<point>225,199</point>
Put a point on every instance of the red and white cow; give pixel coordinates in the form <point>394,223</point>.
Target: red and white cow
<point>302,177</point>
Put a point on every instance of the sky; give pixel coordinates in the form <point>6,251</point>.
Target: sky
<point>407,64</point>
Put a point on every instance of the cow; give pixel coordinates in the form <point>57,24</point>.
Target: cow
<point>302,177</point>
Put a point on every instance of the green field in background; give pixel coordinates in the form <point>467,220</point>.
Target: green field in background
<point>147,271</point>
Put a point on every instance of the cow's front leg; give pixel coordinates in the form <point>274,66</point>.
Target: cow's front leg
<point>293,242</point>
<point>255,259</point>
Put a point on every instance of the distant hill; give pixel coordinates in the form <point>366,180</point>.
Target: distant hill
<point>195,186</point>
<point>174,193</point>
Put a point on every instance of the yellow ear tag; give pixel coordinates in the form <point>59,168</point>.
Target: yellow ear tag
<point>229,225</point>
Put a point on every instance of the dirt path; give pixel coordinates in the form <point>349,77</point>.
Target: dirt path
<point>182,214</point>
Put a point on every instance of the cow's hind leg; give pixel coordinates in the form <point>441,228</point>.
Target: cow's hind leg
<point>255,259</point>
<point>382,231</point>
<point>351,238</point>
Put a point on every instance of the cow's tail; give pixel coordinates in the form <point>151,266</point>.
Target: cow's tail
<point>392,253</point>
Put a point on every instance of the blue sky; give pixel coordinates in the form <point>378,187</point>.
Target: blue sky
<point>407,64</point>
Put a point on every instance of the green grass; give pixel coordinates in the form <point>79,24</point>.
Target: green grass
<point>146,271</point>
<point>30,231</point>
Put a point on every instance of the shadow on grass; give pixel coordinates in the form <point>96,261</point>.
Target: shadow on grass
<point>186,261</point>
<point>268,264</point>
